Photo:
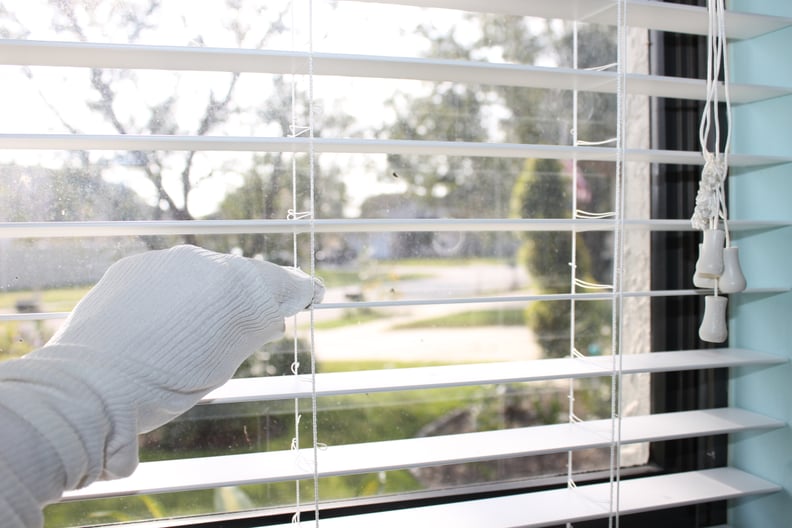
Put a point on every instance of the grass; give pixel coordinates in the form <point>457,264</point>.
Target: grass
<point>348,318</point>
<point>53,300</point>
<point>334,278</point>
<point>513,317</point>
<point>357,365</point>
<point>443,262</point>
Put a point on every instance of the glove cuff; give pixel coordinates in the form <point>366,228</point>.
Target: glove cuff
<point>77,404</point>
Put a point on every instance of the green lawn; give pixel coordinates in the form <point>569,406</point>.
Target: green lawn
<point>511,317</point>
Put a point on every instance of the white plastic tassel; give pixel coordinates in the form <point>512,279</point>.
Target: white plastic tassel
<point>710,261</point>
<point>699,281</point>
<point>732,279</point>
<point>713,326</point>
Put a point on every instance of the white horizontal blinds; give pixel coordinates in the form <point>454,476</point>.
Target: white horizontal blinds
<point>183,474</point>
<point>358,457</point>
<point>350,459</point>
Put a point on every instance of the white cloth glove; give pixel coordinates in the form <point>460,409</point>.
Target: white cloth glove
<point>159,331</point>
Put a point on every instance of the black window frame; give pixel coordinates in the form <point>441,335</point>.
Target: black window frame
<point>675,320</point>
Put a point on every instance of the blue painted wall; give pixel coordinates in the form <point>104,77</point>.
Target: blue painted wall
<point>764,322</point>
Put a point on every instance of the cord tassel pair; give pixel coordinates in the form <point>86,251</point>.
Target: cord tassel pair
<point>718,267</point>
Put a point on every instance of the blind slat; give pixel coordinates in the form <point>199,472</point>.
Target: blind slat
<point>175,58</point>
<point>596,296</point>
<point>131,142</point>
<point>340,225</point>
<point>550,508</point>
<point>278,466</point>
<point>515,299</point>
<point>368,381</point>
<point>647,14</point>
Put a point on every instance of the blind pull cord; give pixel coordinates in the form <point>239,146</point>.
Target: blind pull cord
<point>718,264</point>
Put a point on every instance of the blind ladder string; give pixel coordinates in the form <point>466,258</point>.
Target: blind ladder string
<point>312,258</point>
<point>296,363</point>
<point>618,269</point>
<point>573,352</point>
<point>310,216</point>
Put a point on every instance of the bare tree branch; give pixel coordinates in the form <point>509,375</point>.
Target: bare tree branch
<point>17,32</point>
<point>73,26</point>
<point>135,21</point>
<point>139,23</point>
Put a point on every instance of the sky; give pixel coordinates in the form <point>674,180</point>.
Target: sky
<point>53,96</point>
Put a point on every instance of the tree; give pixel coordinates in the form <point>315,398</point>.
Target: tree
<point>39,194</point>
<point>134,102</point>
<point>268,185</point>
<point>538,188</point>
<point>453,186</point>
<point>542,191</point>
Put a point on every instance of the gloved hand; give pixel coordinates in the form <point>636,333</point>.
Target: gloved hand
<point>159,331</point>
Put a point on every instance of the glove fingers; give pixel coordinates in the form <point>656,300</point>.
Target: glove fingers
<point>291,289</point>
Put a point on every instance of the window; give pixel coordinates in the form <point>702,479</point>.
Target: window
<point>484,186</point>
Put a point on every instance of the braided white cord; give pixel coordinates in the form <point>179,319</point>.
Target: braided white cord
<point>711,198</point>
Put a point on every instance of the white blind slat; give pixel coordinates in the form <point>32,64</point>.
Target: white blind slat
<point>368,381</point>
<point>274,466</point>
<point>678,18</point>
<point>550,508</point>
<point>175,58</point>
<point>362,146</point>
<point>371,225</point>
<point>40,316</point>
<point>594,296</point>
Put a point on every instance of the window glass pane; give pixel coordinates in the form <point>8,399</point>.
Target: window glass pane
<point>379,278</point>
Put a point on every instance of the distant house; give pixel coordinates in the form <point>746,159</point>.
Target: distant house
<point>41,194</point>
<point>394,245</point>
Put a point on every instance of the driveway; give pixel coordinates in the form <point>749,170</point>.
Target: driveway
<point>380,340</point>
